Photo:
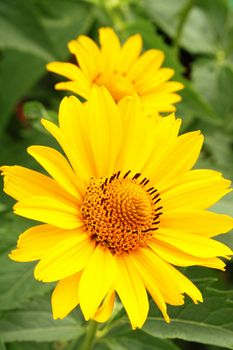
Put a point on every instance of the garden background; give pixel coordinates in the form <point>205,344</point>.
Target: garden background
<point>197,38</point>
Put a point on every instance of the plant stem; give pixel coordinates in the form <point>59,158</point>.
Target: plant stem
<point>181,24</point>
<point>89,338</point>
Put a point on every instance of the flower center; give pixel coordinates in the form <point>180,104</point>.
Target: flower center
<point>121,213</point>
<point>118,85</point>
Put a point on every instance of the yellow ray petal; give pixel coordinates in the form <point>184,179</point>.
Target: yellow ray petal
<point>58,167</point>
<point>65,259</point>
<point>148,277</point>
<point>172,281</point>
<point>138,130</point>
<point>93,51</point>
<point>149,82</point>
<point>131,290</point>
<point>35,243</point>
<point>170,291</point>
<point>77,159</point>
<point>199,189</point>
<point>96,281</point>
<point>65,296</point>
<point>110,49</point>
<point>160,101</point>
<point>105,310</point>
<point>87,55</point>
<point>196,245</point>
<point>129,53</point>
<point>199,222</point>
<point>104,131</point>
<point>183,155</point>
<point>165,131</point>
<point>168,87</point>
<point>178,257</point>
<point>50,211</point>
<point>75,87</point>
<point>72,72</point>
<point>21,183</point>
<point>147,64</point>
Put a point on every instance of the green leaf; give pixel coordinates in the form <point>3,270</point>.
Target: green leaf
<point>31,35</point>
<point>31,345</point>
<point>214,80</point>
<point>165,13</point>
<point>207,323</point>
<point>2,346</point>
<point>137,340</point>
<point>17,283</point>
<point>38,326</point>
<point>21,29</point>
<point>64,20</point>
<point>15,82</point>
<point>204,28</point>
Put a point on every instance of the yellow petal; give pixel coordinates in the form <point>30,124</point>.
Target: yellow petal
<point>171,293</point>
<point>58,167</point>
<point>65,259</point>
<point>75,87</point>
<point>87,55</point>
<point>129,53</point>
<point>77,159</point>
<point>160,102</point>
<point>150,82</point>
<point>199,222</point>
<point>110,49</point>
<point>138,130</point>
<point>131,290</point>
<point>105,310</point>
<point>170,279</point>
<point>65,296</point>
<point>199,190</point>
<point>183,155</point>
<point>165,132</point>
<point>148,277</point>
<point>96,281</point>
<point>177,257</point>
<point>35,243</point>
<point>103,130</point>
<point>72,72</point>
<point>21,183</point>
<point>196,245</point>
<point>168,87</point>
<point>147,64</point>
<point>50,211</point>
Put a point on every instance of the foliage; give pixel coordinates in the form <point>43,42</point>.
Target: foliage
<point>197,38</point>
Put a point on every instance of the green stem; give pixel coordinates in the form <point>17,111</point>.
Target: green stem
<point>184,15</point>
<point>89,338</point>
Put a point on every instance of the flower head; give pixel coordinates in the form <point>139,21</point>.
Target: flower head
<point>119,210</point>
<point>121,69</point>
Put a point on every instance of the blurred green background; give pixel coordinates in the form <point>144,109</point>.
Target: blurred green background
<point>197,38</point>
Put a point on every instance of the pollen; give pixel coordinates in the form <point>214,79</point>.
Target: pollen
<point>121,212</point>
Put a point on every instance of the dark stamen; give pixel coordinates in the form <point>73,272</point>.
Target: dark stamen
<point>157,200</point>
<point>155,190</point>
<point>143,181</point>
<point>136,176</point>
<point>150,189</point>
<point>126,174</point>
<point>158,208</point>
<point>156,196</point>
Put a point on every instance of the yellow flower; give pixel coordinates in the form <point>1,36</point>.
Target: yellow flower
<point>119,211</point>
<point>121,69</point>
